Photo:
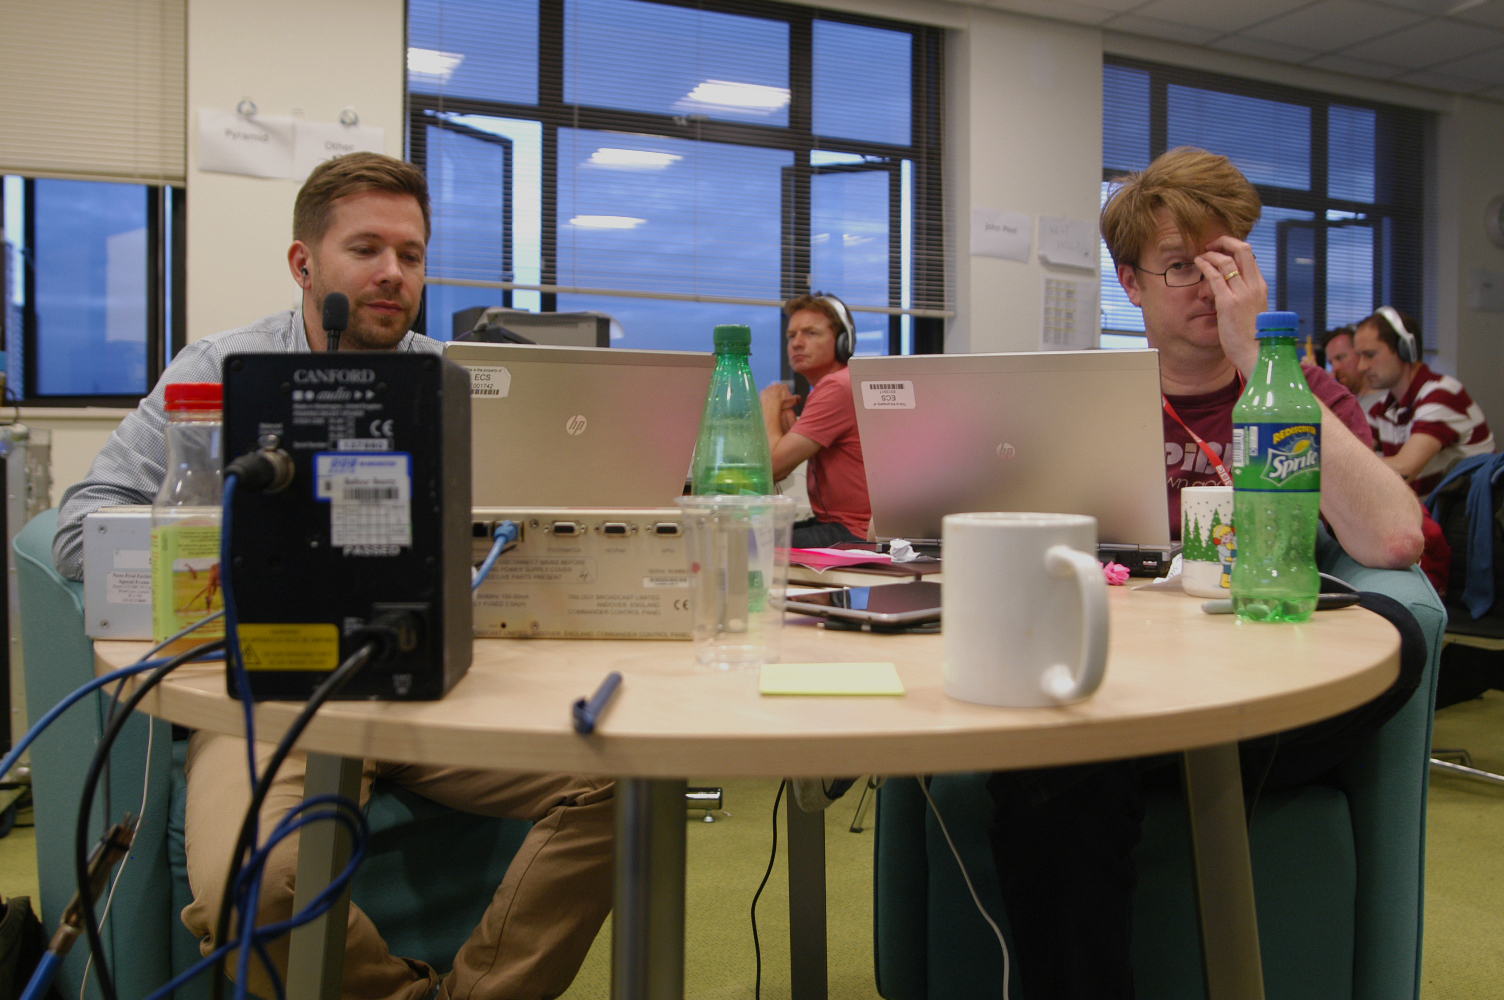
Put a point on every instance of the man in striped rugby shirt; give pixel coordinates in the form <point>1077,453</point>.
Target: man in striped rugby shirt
<point>1426,423</point>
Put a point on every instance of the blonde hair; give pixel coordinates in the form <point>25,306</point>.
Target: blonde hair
<point>1197,188</point>
<point>353,173</point>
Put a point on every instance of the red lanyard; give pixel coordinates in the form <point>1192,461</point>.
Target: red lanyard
<point>1223,473</point>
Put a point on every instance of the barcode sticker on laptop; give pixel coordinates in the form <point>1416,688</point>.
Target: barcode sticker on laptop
<point>489,381</point>
<point>888,395</point>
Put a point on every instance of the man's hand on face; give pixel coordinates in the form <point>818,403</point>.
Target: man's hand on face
<point>1239,298</point>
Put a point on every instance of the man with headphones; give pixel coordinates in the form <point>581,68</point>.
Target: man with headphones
<point>821,339</point>
<point>1426,423</point>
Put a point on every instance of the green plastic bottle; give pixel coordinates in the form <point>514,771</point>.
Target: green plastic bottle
<point>1276,470</point>
<point>731,454</point>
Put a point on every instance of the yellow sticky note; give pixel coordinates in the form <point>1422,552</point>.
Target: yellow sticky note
<point>830,678</point>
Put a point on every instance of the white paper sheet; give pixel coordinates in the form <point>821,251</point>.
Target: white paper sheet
<point>315,142</point>
<point>1070,315</point>
<point>1070,242</point>
<point>230,143</point>
<point>996,233</point>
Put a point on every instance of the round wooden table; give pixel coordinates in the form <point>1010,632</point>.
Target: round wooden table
<point>1177,680</point>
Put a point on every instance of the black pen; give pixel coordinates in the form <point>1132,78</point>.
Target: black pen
<point>586,713</point>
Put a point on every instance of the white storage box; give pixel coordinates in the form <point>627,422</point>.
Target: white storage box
<point>117,573</point>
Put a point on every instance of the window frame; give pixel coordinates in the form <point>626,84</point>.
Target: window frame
<point>924,151</point>
<point>166,298</point>
<point>1403,191</point>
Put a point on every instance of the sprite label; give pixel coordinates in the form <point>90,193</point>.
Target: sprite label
<point>1280,458</point>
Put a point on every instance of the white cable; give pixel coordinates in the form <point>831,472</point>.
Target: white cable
<point>104,917</point>
<point>971,888</point>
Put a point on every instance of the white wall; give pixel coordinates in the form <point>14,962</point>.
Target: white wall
<point>291,57</point>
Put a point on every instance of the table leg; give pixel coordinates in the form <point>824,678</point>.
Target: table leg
<point>1224,877</point>
<point>316,956</point>
<point>647,918</point>
<point>807,967</point>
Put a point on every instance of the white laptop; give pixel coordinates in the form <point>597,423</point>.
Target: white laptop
<point>1075,432</point>
<point>581,426</point>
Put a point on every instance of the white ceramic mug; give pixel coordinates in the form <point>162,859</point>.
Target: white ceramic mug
<point>1209,543</point>
<point>1024,606</point>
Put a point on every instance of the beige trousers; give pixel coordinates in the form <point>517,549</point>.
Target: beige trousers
<point>532,938</point>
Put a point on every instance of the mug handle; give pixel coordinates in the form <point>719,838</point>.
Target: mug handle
<point>1059,681</point>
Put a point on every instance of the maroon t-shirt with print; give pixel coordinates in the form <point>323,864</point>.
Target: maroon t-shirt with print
<point>1210,415</point>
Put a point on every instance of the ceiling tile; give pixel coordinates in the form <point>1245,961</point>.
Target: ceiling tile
<point>1443,81</point>
<point>1356,67</point>
<point>1497,93</point>
<point>1220,18</point>
<point>1278,51</point>
<point>1436,7</point>
<point>1059,10</point>
<point>1428,43</point>
<point>1491,12</point>
<point>1133,24</point>
<point>1333,24</point>
<point>1486,66</point>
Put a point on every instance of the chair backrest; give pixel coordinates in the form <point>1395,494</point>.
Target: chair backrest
<point>57,658</point>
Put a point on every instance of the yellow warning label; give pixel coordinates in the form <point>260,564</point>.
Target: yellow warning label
<point>295,646</point>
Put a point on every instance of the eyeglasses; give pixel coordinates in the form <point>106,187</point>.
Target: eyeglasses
<point>1181,275</point>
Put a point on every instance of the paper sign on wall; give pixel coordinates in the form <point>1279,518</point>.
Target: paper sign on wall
<point>315,142</point>
<point>230,143</point>
<point>1070,315</point>
<point>995,233</point>
<point>1070,242</point>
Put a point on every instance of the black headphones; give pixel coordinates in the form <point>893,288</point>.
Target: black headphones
<point>846,336</point>
<point>1407,349</point>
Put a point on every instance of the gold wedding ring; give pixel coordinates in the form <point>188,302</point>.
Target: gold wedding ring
<point>1231,275</point>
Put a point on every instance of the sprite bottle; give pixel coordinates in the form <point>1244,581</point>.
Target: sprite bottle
<point>731,454</point>
<point>1276,463</point>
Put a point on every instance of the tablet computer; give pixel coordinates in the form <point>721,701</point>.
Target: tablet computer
<point>886,604</point>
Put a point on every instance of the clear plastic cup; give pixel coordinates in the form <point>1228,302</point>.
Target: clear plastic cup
<point>738,571</point>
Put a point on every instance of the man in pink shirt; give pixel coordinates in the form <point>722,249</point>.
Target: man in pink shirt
<point>821,338</point>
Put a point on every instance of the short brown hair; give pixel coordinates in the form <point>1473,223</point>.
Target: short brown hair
<point>1197,188</point>
<point>819,304</point>
<point>351,174</point>
<point>1389,335</point>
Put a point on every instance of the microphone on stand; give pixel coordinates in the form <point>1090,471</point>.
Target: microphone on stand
<point>336,317</point>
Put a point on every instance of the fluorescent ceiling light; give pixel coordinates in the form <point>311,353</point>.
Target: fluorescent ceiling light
<point>605,222</point>
<point>437,66</point>
<point>739,98</point>
<point>632,159</point>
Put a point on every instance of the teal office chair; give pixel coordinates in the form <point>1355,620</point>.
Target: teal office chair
<point>424,902</point>
<point>1338,868</point>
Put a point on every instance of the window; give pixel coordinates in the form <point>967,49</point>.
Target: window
<point>679,165</point>
<point>1341,232</point>
<point>93,289</point>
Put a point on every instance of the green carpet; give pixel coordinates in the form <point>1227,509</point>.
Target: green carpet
<point>1464,949</point>
<point>726,861</point>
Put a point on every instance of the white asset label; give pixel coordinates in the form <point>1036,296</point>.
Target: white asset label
<point>888,395</point>
<point>370,500</point>
<point>492,381</point>
<point>129,586</point>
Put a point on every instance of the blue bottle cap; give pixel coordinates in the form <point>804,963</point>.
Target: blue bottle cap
<point>1278,324</point>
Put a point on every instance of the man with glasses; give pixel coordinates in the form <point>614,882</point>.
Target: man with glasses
<point>1063,837</point>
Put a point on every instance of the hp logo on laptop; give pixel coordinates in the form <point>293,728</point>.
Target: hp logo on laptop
<point>1006,452</point>
<point>576,425</point>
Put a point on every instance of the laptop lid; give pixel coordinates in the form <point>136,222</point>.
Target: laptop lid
<point>581,426</point>
<point>1076,432</point>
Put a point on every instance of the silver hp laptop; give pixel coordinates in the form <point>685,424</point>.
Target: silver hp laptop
<point>1074,432</point>
<point>581,426</point>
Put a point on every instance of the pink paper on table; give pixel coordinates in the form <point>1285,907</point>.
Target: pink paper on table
<point>831,558</point>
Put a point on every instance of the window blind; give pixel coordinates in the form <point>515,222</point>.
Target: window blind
<point>1340,181</point>
<point>723,153</point>
<point>93,89</point>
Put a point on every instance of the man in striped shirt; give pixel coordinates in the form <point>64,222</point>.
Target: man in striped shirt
<point>1426,423</point>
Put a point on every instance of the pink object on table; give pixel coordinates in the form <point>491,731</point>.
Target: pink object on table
<point>1116,573</point>
<point>831,558</point>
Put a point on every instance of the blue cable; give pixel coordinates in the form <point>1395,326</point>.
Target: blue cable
<point>507,533</point>
<point>232,629</point>
<point>42,977</point>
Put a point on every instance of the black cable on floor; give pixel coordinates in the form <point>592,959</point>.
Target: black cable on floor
<point>756,947</point>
